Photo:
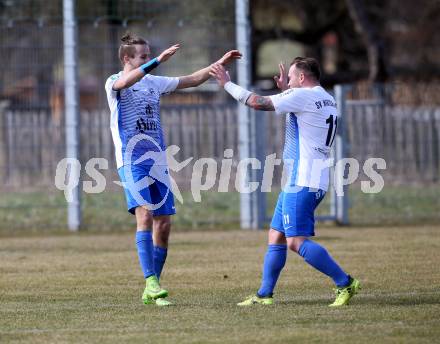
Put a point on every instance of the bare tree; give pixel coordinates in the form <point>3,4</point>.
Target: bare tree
<point>372,40</point>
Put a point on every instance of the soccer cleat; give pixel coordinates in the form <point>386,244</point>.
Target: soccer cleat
<point>148,300</point>
<point>153,290</point>
<point>163,302</point>
<point>158,302</point>
<point>344,294</point>
<point>255,299</point>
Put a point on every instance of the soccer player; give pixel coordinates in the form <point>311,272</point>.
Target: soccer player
<point>134,99</point>
<point>311,120</point>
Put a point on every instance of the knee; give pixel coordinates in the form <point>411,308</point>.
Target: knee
<point>276,238</point>
<point>144,218</point>
<point>295,243</point>
<point>163,227</point>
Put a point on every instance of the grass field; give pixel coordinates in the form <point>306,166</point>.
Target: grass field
<point>25,212</point>
<point>86,289</point>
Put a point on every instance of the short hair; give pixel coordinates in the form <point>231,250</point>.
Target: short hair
<point>308,65</point>
<point>128,41</point>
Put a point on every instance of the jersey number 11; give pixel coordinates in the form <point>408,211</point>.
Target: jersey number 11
<point>333,125</point>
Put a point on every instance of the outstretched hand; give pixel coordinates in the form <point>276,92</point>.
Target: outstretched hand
<point>229,57</point>
<point>167,53</point>
<point>281,80</point>
<point>219,72</point>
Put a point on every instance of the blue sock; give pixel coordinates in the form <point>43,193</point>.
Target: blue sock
<point>273,264</point>
<point>318,257</point>
<point>144,243</point>
<point>160,255</point>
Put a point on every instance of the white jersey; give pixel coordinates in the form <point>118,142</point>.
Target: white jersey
<point>136,110</point>
<point>311,124</point>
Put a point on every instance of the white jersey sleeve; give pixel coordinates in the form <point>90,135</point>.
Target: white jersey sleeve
<point>111,93</point>
<point>164,84</point>
<point>291,100</point>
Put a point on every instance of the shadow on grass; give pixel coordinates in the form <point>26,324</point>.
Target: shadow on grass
<point>399,300</point>
<point>306,302</point>
<point>380,299</point>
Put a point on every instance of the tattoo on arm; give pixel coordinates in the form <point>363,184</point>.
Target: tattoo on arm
<point>260,103</point>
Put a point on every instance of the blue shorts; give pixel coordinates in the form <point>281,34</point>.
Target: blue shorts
<point>294,212</point>
<point>149,186</point>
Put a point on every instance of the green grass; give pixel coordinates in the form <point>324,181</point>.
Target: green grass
<point>411,205</point>
<point>86,289</point>
<point>39,212</point>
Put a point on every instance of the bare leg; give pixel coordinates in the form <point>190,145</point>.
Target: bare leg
<point>161,234</point>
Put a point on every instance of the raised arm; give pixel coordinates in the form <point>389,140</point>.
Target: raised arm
<point>199,77</point>
<point>239,93</point>
<point>260,103</point>
<point>282,80</point>
<point>194,79</point>
<point>133,76</point>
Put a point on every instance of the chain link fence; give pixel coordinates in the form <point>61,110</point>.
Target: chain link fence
<point>396,122</point>
<point>32,125</point>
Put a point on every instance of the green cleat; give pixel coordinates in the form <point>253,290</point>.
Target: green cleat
<point>255,299</point>
<point>148,300</point>
<point>163,302</point>
<point>158,302</point>
<point>153,290</point>
<point>343,295</point>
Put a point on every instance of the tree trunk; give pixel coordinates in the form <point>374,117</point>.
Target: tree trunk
<point>373,43</point>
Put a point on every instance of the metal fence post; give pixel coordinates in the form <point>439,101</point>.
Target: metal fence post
<point>71,106</point>
<point>341,202</point>
<point>258,135</point>
<point>251,129</point>
<point>244,125</point>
